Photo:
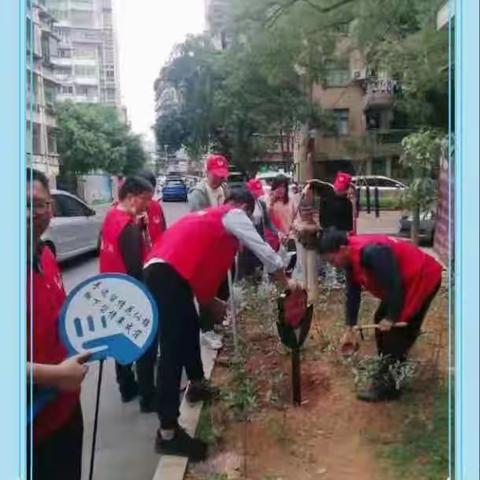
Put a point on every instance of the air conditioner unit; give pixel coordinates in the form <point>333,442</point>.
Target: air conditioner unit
<point>359,74</point>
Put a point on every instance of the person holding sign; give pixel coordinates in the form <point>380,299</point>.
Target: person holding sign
<point>402,276</point>
<point>186,266</point>
<point>54,378</point>
<point>123,250</point>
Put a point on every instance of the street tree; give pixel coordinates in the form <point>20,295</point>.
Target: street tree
<point>91,137</point>
<point>135,154</point>
<point>421,156</point>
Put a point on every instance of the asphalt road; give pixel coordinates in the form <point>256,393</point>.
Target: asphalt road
<point>125,437</point>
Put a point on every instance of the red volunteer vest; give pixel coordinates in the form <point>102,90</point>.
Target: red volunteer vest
<point>45,346</point>
<point>420,273</point>
<point>111,260</point>
<point>156,221</point>
<point>200,250</point>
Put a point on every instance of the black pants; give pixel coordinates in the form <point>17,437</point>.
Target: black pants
<point>396,343</point>
<point>59,457</point>
<point>248,265</point>
<point>178,336</point>
<point>146,371</point>
<point>207,321</point>
<point>125,377</point>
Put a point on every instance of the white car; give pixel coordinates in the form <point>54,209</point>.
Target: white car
<point>74,228</point>
<point>388,189</point>
<point>268,177</point>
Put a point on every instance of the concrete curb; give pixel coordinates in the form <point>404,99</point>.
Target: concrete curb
<point>174,468</point>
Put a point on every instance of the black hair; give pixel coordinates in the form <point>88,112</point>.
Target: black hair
<point>34,175</point>
<point>134,186</point>
<point>241,195</point>
<point>331,239</point>
<point>278,181</point>
<point>148,175</point>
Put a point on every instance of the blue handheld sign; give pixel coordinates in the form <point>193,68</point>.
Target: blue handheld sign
<point>111,315</point>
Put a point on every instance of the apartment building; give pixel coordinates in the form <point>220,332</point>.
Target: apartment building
<point>41,89</point>
<point>360,104</point>
<point>215,20</point>
<point>86,63</point>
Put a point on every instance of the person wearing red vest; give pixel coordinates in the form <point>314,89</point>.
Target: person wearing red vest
<point>58,425</point>
<point>187,265</point>
<point>153,221</point>
<point>402,276</point>
<point>123,250</point>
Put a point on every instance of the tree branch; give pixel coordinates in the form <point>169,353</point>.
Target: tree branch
<point>330,8</point>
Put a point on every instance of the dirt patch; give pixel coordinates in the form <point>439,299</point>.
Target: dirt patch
<point>332,436</point>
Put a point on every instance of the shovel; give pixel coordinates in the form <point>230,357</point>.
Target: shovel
<point>294,321</point>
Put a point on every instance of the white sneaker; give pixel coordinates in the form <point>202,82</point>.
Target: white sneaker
<point>212,340</point>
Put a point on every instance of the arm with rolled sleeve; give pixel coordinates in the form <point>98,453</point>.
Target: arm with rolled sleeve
<point>240,226</point>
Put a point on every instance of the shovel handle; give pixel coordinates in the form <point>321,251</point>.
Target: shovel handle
<point>375,326</point>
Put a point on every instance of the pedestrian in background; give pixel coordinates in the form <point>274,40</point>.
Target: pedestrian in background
<point>58,425</point>
<point>186,266</point>
<point>152,221</point>
<point>123,250</point>
<point>248,264</point>
<point>281,208</point>
<point>211,192</point>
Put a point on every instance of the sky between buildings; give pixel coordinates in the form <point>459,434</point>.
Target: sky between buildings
<point>147,31</point>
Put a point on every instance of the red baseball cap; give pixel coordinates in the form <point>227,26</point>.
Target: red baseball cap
<point>256,188</point>
<point>342,182</point>
<point>218,165</point>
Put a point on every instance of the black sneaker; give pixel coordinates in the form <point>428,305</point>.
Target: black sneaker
<point>182,445</point>
<point>379,393</point>
<point>202,391</point>
<point>129,392</point>
<point>148,404</point>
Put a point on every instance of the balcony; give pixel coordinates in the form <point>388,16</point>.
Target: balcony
<point>86,81</point>
<point>386,142</point>
<point>85,98</point>
<point>380,94</point>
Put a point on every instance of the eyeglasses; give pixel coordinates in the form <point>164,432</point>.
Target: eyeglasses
<point>39,207</point>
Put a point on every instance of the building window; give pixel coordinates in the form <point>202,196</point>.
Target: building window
<point>341,121</point>
<point>85,71</point>
<point>379,166</point>
<point>85,52</point>
<point>64,53</point>
<point>337,75</point>
<point>82,19</point>
<point>67,90</point>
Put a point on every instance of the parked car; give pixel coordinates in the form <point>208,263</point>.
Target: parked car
<point>389,190</point>
<point>74,228</point>
<point>174,190</point>
<point>236,179</point>
<point>426,230</point>
<point>268,177</point>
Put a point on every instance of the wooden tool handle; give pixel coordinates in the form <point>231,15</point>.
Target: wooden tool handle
<point>375,325</point>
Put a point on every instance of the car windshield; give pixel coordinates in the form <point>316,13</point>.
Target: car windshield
<point>175,183</point>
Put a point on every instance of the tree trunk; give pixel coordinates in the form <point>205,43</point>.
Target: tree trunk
<point>415,225</point>
<point>303,152</point>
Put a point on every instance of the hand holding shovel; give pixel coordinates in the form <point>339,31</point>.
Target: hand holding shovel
<point>349,343</point>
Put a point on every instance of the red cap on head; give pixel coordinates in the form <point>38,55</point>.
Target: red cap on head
<point>342,182</point>
<point>218,165</point>
<point>256,188</point>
